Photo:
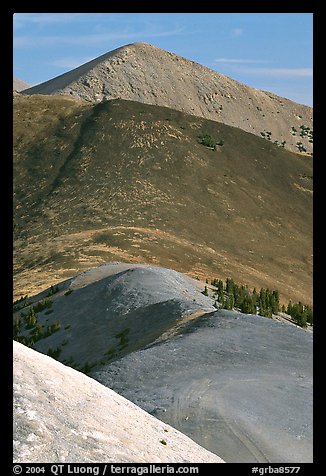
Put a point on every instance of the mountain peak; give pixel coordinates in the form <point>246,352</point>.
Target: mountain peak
<point>19,85</point>
<point>143,44</point>
<point>144,73</point>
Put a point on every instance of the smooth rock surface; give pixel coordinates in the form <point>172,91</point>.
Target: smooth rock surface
<point>61,415</point>
<point>240,385</point>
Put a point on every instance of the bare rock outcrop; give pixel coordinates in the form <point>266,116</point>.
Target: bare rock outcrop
<point>61,415</point>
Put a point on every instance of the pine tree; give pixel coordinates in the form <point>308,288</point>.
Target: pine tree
<point>205,292</point>
<point>309,314</point>
<point>238,295</point>
<point>247,306</point>
<point>17,324</point>
<point>262,299</point>
<point>37,334</point>
<point>229,285</point>
<point>31,319</point>
<point>229,301</point>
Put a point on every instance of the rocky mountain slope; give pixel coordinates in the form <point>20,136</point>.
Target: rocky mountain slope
<point>19,85</point>
<point>141,72</point>
<point>48,400</point>
<point>125,181</point>
<point>239,385</point>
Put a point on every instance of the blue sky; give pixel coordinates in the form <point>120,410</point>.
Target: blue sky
<point>269,51</point>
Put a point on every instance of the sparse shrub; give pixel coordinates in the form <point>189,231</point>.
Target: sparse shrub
<point>68,292</point>
<point>301,147</point>
<point>163,442</point>
<point>55,327</point>
<point>207,141</point>
<point>37,333</point>
<point>54,353</point>
<point>30,318</point>
<point>41,305</point>
<point>87,367</point>
<point>52,290</point>
<point>306,176</point>
<point>266,135</point>
<point>71,363</point>
<point>123,338</point>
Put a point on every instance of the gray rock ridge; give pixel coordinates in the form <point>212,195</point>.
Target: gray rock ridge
<point>144,73</point>
<point>117,308</point>
<point>49,400</point>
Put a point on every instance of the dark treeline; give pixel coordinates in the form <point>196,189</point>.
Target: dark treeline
<point>264,302</point>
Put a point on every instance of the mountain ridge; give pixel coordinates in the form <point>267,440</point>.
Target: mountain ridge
<point>125,181</point>
<point>145,73</point>
<point>239,385</point>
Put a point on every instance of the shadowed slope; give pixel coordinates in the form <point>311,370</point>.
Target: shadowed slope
<point>124,181</point>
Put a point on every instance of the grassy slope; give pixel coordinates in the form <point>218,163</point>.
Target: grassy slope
<point>129,181</point>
